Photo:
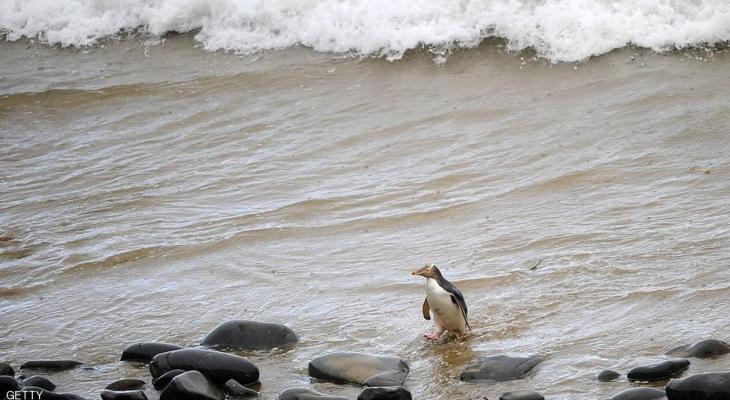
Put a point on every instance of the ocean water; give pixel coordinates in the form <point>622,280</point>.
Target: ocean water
<point>558,30</point>
<point>564,163</point>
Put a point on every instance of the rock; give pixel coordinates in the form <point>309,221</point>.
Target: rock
<point>359,368</point>
<point>146,351</point>
<point>607,375</point>
<point>191,385</point>
<point>218,367</point>
<point>708,386</point>
<point>126,384</point>
<point>39,381</point>
<point>165,378</point>
<point>703,349</point>
<point>658,372</point>
<point>35,393</point>
<point>640,393</point>
<point>250,335</point>
<point>499,368</point>
<point>306,394</point>
<point>55,365</point>
<point>8,384</point>
<point>6,369</point>
<point>238,391</point>
<point>522,395</point>
<point>384,393</point>
<point>107,394</point>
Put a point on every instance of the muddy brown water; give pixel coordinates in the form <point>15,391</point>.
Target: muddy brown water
<point>149,193</point>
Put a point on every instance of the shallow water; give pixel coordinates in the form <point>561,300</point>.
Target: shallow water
<point>151,192</point>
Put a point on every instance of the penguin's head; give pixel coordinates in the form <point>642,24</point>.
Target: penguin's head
<point>428,271</point>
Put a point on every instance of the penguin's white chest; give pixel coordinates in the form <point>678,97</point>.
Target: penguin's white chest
<point>440,302</point>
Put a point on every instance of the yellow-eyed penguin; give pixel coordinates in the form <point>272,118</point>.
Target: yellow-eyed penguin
<point>445,301</point>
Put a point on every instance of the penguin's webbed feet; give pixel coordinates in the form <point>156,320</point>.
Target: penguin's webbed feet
<point>435,335</point>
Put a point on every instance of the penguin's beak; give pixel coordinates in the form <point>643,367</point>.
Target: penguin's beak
<point>417,272</point>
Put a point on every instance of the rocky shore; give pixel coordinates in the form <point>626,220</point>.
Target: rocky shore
<point>208,372</point>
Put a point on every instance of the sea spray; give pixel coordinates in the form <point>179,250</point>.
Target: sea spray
<point>558,30</point>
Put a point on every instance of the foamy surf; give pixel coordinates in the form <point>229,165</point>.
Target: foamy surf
<point>558,30</point>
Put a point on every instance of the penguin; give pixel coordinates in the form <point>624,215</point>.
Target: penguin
<point>446,303</point>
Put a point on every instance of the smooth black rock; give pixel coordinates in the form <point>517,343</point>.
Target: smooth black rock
<point>6,369</point>
<point>107,394</point>
<point>251,335</point>
<point>166,378</point>
<point>126,384</point>
<point>522,395</point>
<point>191,385</point>
<point>8,384</point>
<point>709,386</point>
<point>306,394</point>
<point>146,351</point>
<point>31,392</point>
<point>658,372</point>
<point>607,375</point>
<point>384,393</point>
<point>218,367</point>
<point>359,368</point>
<point>499,368</point>
<point>640,393</point>
<point>39,381</point>
<point>55,365</point>
<point>702,349</point>
<point>238,391</point>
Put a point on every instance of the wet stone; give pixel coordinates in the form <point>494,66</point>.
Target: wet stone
<point>191,385</point>
<point>306,394</point>
<point>499,368</point>
<point>658,372</point>
<point>360,368</point>
<point>522,395</point>
<point>707,386</point>
<point>236,390</point>
<point>640,393</point>
<point>8,384</point>
<point>107,394</point>
<point>53,365</point>
<point>165,378</point>
<point>251,335</point>
<point>39,381</point>
<point>702,349</point>
<point>217,366</point>
<point>607,375</point>
<point>126,384</point>
<point>384,393</point>
<point>146,351</point>
<point>6,369</point>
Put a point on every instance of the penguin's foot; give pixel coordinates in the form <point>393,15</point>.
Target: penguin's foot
<point>435,335</point>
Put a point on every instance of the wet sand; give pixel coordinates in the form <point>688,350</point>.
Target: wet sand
<point>149,193</point>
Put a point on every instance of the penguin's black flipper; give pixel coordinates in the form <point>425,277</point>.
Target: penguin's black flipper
<point>459,301</point>
<point>456,298</point>
<point>426,309</point>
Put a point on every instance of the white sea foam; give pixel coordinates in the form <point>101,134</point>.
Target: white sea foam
<point>560,30</point>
